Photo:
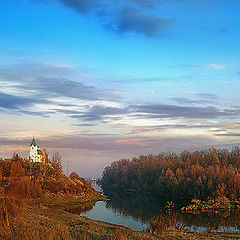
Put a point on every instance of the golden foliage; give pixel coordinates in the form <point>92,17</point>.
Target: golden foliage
<point>187,175</point>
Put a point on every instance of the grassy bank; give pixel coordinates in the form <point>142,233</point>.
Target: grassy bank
<point>67,201</point>
<point>34,220</point>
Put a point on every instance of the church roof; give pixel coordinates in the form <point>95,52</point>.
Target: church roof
<point>33,143</point>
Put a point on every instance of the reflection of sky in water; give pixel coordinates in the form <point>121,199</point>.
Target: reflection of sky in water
<point>221,229</point>
<point>100,212</point>
<point>97,187</point>
<point>132,210</point>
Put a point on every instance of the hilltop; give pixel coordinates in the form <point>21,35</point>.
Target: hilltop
<point>25,179</point>
<point>25,184</point>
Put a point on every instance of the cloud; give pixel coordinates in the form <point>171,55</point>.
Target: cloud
<point>12,102</point>
<point>96,143</point>
<point>95,113</point>
<point>228,125</point>
<point>189,101</point>
<point>24,88</point>
<point>46,79</point>
<point>132,20</point>
<point>134,141</point>
<point>228,134</point>
<point>122,17</point>
<point>137,131</point>
<point>216,66</point>
<point>25,85</point>
<point>81,6</point>
<point>145,3</point>
<point>153,111</point>
<point>63,87</point>
<point>173,111</point>
<point>207,95</point>
<point>31,71</point>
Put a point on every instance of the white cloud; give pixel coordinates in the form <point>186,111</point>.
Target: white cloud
<point>216,66</point>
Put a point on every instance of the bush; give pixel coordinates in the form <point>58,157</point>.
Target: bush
<point>166,221</point>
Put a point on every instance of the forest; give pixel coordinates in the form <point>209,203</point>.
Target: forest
<point>206,174</point>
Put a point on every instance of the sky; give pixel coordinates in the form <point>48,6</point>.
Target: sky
<point>99,80</point>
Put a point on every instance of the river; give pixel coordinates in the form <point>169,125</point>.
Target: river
<point>134,211</point>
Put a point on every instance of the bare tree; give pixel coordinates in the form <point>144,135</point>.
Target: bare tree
<point>56,161</point>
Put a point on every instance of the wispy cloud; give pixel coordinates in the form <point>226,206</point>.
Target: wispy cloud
<point>12,102</point>
<point>122,17</point>
<point>82,6</point>
<point>168,111</point>
<point>135,141</point>
<point>209,96</point>
<point>216,66</point>
<point>24,86</point>
<point>189,101</point>
<point>41,91</point>
<point>133,20</point>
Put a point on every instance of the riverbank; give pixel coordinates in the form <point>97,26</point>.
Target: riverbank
<point>63,201</point>
<point>34,220</point>
<point>40,222</point>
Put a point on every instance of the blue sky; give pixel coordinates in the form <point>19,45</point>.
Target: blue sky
<point>99,80</point>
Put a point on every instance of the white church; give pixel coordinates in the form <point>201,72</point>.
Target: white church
<point>35,152</point>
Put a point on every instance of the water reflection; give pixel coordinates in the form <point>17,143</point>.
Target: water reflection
<point>79,208</point>
<point>143,208</point>
<point>137,206</point>
<point>134,210</point>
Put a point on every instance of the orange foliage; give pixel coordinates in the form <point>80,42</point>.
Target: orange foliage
<point>201,174</point>
<point>16,171</point>
<point>25,188</point>
<point>1,175</point>
<point>27,180</point>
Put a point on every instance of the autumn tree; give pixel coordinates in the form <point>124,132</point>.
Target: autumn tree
<point>56,161</point>
<point>1,175</point>
<point>16,171</point>
<point>74,175</point>
<point>44,154</point>
<point>199,174</point>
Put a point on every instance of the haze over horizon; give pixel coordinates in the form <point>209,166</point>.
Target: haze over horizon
<point>98,80</point>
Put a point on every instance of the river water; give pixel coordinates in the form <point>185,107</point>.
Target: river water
<point>134,211</point>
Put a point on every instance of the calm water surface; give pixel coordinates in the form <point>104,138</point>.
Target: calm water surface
<point>133,210</point>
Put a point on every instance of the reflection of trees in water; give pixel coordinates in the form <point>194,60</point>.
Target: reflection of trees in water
<point>214,220</point>
<point>79,209</point>
<point>144,207</point>
<point>135,205</point>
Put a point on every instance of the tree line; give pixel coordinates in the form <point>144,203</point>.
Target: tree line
<point>200,174</point>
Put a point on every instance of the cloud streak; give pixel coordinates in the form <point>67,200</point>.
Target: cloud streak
<point>12,102</point>
<point>23,87</point>
<point>132,20</point>
<point>81,6</point>
<point>122,18</point>
<point>24,91</point>
<point>173,111</point>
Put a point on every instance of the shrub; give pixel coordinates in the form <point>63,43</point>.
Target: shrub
<point>165,221</point>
